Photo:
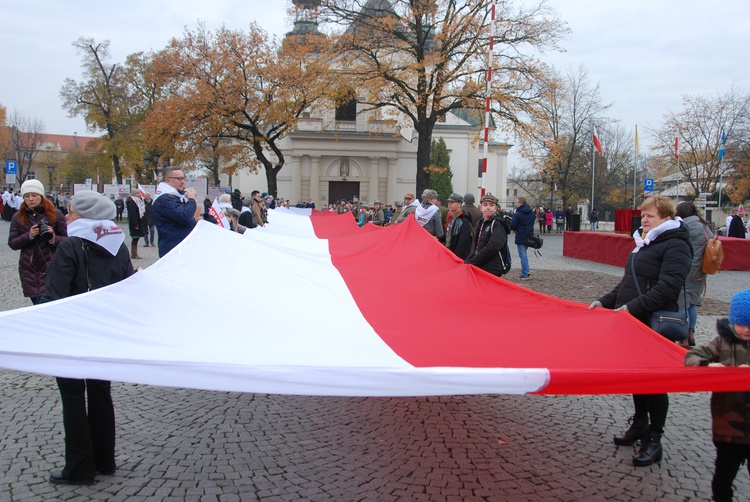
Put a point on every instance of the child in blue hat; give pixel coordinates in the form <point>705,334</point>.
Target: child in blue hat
<point>730,411</point>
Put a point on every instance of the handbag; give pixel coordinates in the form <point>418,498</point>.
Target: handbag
<point>674,326</point>
<point>533,241</point>
<point>713,255</point>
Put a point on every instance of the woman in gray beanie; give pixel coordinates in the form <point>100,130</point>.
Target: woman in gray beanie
<point>93,256</point>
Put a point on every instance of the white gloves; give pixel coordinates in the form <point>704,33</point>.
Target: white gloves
<point>595,304</point>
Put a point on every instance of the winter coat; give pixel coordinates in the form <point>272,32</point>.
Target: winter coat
<point>491,237</point>
<point>661,268</point>
<point>523,223</point>
<point>378,218</point>
<point>149,213</point>
<point>736,228</point>
<point>548,218</point>
<point>730,411</point>
<point>474,212</point>
<point>36,254</point>
<point>247,219</point>
<point>136,223</point>
<point>72,268</point>
<point>174,220</point>
<point>696,280</point>
<point>459,230</point>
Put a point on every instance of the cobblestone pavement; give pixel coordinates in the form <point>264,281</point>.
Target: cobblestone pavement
<point>180,444</point>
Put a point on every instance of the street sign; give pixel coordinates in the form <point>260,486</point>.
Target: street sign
<point>11,167</point>
<point>648,185</point>
<point>705,194</point>
<point>711,203</point>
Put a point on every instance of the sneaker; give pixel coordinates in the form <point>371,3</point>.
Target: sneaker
<point>523,278</point>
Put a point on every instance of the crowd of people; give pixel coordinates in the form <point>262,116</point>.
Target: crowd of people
<point>80,247</point>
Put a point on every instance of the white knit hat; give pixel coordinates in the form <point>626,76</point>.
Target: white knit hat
<point>32,186</point>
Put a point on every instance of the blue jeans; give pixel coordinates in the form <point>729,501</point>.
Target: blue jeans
<point>524,260</point>
<point>693,315</point>
<point>151,231</point>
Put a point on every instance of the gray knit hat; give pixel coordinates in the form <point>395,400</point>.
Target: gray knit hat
<point>93,205</point>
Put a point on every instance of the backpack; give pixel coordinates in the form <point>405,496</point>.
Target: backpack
<point>713,255</point>
<point>504,253</point>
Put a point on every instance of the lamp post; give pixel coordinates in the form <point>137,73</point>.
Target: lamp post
<point>50,170</point>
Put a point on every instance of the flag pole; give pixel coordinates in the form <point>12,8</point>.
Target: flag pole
<point>488,98</point>
<point>593,168</point>
<point>635,166</point>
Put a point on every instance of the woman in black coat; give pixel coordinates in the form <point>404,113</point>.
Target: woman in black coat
<point>660,262</point>
<point>137,223</point>
<point>93,256</point>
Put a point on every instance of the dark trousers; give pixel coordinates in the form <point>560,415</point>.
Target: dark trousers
<point>654,407</point>
<point>89,436</point>
<point>729,457</point>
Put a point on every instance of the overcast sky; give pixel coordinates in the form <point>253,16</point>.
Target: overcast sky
<point>644,54</point>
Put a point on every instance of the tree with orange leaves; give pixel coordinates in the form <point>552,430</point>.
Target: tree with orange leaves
<point>235,94</point>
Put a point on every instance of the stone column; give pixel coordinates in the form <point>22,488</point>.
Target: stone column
<point>315,180</point>
<point>392,181</point>
<point>372,193</point>
<point>296,194</point>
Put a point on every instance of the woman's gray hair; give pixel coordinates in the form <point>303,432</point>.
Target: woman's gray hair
<point>429,194</point>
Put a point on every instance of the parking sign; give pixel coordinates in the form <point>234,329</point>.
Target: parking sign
<point>11,167</point>
<point>648,185</point>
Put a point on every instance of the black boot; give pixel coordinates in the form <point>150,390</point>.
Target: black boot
<point>638,430</point>
<point>651,450</point>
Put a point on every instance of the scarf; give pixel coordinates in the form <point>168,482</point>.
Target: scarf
<point>102,232</point>
<point>167,189</point>
<point>654,233</point>
<point>141,207</point>
<point>424,214</point>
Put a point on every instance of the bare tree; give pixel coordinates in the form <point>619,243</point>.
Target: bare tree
<point>27,135</point>
<point>558,139</point>
<point>698,127</point>
<point>106,101</point>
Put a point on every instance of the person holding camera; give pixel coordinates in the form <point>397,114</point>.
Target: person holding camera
<point>35,229</point>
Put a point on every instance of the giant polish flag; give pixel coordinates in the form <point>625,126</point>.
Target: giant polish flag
<point>315,305</point>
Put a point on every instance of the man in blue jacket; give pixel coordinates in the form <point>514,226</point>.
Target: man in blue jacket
<point>523,225</point>
<point>174,210</point>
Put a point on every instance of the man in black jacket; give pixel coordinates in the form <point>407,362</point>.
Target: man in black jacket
<point>458,233</point>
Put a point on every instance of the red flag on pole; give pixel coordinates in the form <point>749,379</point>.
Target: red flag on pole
<point>677,147</point>
<point>597,143</point>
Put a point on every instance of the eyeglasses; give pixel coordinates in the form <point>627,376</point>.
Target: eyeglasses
<point>178,178</point>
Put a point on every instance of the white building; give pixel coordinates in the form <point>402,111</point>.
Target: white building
<point>336,154</point>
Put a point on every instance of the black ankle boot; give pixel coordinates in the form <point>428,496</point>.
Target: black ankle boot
<point>638,430</point>
<point>651,450</point>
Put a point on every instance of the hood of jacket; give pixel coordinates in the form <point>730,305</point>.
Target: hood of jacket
<point>725,331</point>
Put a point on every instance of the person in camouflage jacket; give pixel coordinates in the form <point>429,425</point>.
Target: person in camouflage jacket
<point>730,411</point>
